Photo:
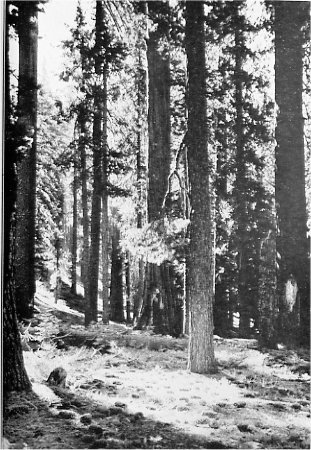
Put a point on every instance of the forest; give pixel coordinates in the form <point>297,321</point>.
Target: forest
<point>156,224</point>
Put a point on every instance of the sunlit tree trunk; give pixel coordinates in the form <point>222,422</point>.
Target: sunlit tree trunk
<point>27,128</point>
<point>293,276</point>
<point>200,267</point>
<point>142,149</point>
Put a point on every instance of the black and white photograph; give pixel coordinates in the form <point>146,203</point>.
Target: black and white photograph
<point>156,215</point>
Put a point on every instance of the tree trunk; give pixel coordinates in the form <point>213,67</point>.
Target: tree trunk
<point>241,212</point>
<point>14,374</point>
<point>92,307</point>
<point>142,150</point>
<point>292,247</point>
<point>105,226</point>
<point>116,290</point>
<point>26,128</point>
<point>74,250</point>
<point>200,269</point>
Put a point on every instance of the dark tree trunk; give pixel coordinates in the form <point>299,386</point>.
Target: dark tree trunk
<point>241,212</point>
<point>26,128</point>
<point>74,250</point>
<point>200,269</point>
<point>93,274</point>
<point>14,374</point>
<point>160,292</point>
<point>293,277</point>
<point>116,290</point>
<point>105,226</point>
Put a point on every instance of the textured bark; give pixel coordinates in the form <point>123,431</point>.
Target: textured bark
<point>241,211</point>
<point>200,268</point>
<point>116,290</point>
<point>267,291</point>
<point>74,249</point>
<point>105,227</point>
<point>292,246</point>
<point>26,127</point>
<point>93,274</point>
<point>13,370</point>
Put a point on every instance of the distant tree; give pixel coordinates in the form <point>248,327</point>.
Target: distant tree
<point>293,276</point>
<point>117,266</point>
<point>27,28</point>
<point>200,271</point>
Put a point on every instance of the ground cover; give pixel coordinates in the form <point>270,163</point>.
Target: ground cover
<point>131,389</point>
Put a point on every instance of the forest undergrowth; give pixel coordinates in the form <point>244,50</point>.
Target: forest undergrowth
<point>131,389</point>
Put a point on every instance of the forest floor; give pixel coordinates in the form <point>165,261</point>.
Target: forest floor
<point>131,389</point>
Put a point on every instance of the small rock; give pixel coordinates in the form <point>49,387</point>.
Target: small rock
<point>96,429</point>
<point>66,414</point>
<point>120,405</point>
<point>296,406</point>
<point>214,425</point>
<point>57,377</point>
<point>135,395</point>
<point>245,428</point>
<point>86,419</point>
<point>240,404</point>
<point>249,395</point>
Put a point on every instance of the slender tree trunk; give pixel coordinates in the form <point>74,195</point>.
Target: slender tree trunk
<point>105,226</point>
<point>128,288</point>
<point>85,209</point>
<point>26,128</point>
<point>240,185</point>
<point>116,290</point>
<point>13,370</point>
<point>92,307</point>
<point>141,153</point>
<point>74,250</point>
<point>200,269</point>
<point>293,277</point>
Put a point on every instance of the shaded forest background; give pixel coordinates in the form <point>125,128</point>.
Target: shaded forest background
<point>173,191</point>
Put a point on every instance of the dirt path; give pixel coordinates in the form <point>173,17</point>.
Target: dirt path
<point>129,389</point>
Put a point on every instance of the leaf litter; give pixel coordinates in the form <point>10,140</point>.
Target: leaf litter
<point>131,389</point>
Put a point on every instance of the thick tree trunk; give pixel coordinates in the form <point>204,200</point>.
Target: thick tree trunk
<point>200,270</point>
<point>92,307</point>
<point>26,128</point>
<point>293,277</point>
<point>14,374</point>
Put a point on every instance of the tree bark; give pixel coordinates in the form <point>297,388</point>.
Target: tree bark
<point>200,270</point>
<point>292,246</point>
<point>27,129</point>
<point>116,290</point>
<point>92,307</point>
<point>74,250</point>
<point>14,374</point>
